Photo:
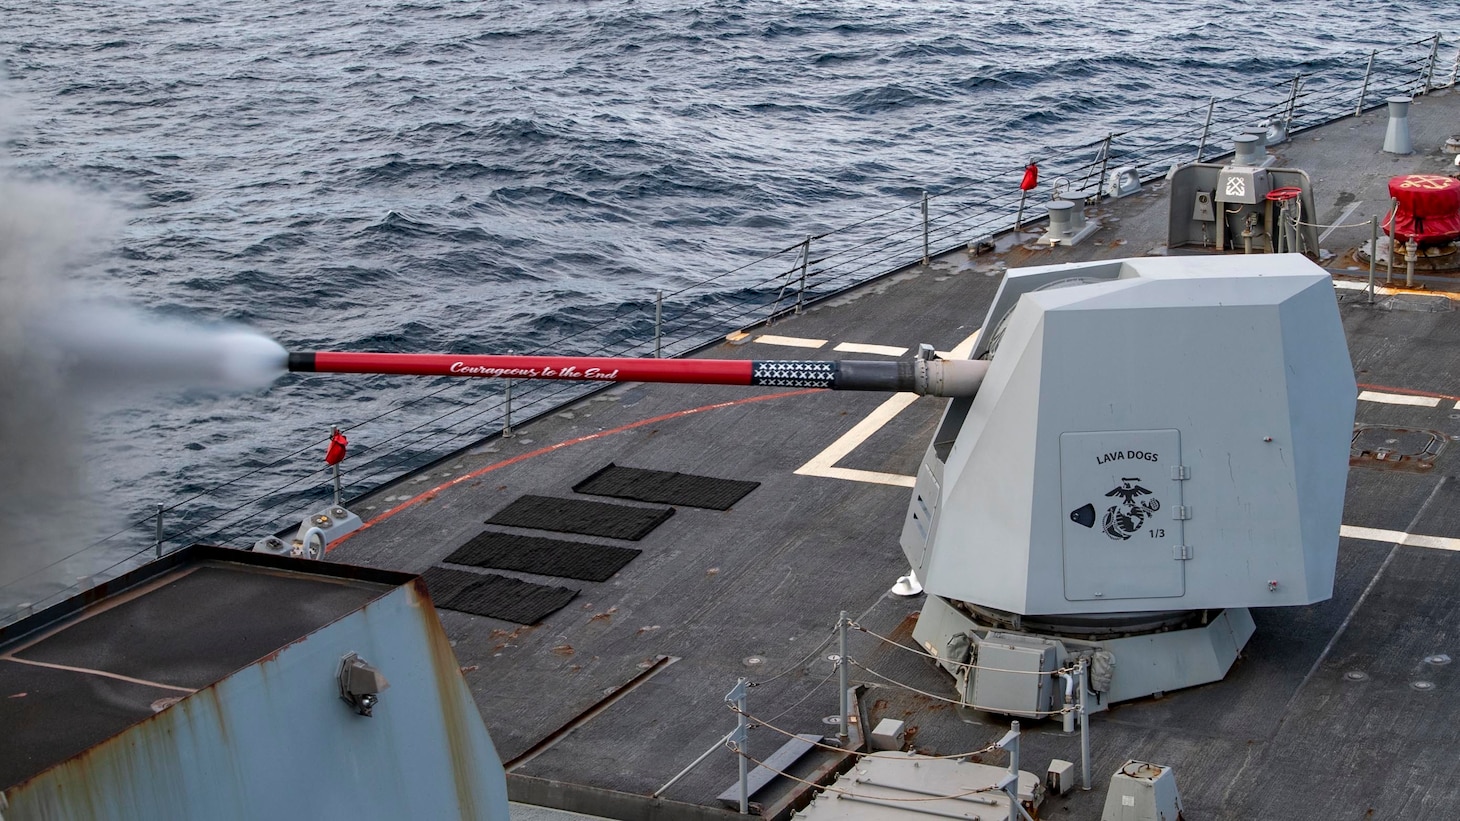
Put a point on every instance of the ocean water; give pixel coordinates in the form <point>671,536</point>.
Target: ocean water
<point>523,176</point>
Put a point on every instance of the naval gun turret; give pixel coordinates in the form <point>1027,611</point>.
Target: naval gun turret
<point>1159,444</point>
<point>1136,452</point>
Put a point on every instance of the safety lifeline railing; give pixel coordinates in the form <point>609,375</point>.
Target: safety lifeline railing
<point>452,414</point>
<point>1074,713</point>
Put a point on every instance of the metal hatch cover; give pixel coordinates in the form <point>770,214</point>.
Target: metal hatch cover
<point>1121,502</point>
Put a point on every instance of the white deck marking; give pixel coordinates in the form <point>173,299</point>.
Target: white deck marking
<point>1399,399</point>
<point>1362,285</point>
<point>962,349</point>
<point>1371,534</point>
<point>824,463</point>
<point>882,350</point>
<point>1347,212</point>
<point>789,341</point>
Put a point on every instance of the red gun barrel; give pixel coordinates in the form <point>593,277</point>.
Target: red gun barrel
<point>927,376</point>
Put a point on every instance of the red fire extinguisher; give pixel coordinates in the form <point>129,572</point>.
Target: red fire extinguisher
<point>336,451</point>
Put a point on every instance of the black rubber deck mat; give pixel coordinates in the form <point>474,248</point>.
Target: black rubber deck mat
<point>582,516</point>
<point>498,597</point>
<point>545,557</point>
<point>666,487</point>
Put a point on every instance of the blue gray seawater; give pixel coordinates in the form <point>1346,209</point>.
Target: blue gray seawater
<point>485,177</point>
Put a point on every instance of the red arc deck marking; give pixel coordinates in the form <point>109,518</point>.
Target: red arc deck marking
<point>423,496</point>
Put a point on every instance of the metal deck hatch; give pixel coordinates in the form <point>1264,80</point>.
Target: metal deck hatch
<point>1123,512</point>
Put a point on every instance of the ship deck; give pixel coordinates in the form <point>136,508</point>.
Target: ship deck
<point>1343,709</point>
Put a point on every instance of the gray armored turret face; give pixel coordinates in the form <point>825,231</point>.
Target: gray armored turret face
<point>1158,444</point>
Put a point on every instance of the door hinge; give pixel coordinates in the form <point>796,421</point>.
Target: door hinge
<point>1180,473</point>
<point>1182,513</point>
<point>1182,551</point>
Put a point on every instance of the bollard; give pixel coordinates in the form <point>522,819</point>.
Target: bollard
<point>1248,150</point>
<point>1396,136</point>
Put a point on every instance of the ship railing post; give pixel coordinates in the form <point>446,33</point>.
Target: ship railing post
<point>805,264</point>
<point>658,324</point>
<point>1010,783</point>
<point>159,531</point>
<point>1104,166</point>
<point>1455,70</point>
<point>1430,68</point>
<point>1013,787</point>
<point>1393,241</point>
<point>1364,92</point>
<point>925,227</point>
<point>1293,98</point>
<point>1083,674</point>
<point>1206,130</point>
<point>1373,252</point>
<point>740,737</point>
<point>844,702</point>
<point>507,409</point>
<point>335,431</point>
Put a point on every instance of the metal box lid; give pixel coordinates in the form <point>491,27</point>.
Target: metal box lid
<point>1241,184</point>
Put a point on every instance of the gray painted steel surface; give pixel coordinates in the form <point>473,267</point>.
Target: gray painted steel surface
<point>1173,438</point>
<point>268,737</point>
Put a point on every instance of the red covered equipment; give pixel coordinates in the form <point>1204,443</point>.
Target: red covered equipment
<point>1429,209</point>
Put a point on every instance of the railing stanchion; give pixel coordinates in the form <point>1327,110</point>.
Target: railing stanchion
<point>159,531</point>
<point>925,227</point>
<point>1084,684</point>
<point>1430,69</point>
<point>1373,252</point>
<point>658,324</point>
<point>844,702</point>
<point>507,413</point>
<point>1363,92</point>
<point>1293,98</point>
<point>805,263</point>
<point>1206,130</point>
<point>1104,166</point>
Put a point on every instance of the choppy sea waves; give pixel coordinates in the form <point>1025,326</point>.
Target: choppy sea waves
<point>486,177</point>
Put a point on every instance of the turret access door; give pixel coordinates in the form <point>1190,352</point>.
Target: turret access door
<point>1123,515</point>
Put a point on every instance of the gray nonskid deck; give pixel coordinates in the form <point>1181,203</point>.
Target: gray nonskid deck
<point>1320,718</point>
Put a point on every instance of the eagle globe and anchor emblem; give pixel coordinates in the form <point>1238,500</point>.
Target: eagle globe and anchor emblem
<point>1126,518</point>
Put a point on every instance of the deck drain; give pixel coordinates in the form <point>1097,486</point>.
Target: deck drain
<point>1356,675</point>
<point>833,720</point>
<point>1422,685</point>
<point>753,661</point>
<point>1437,659</point>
